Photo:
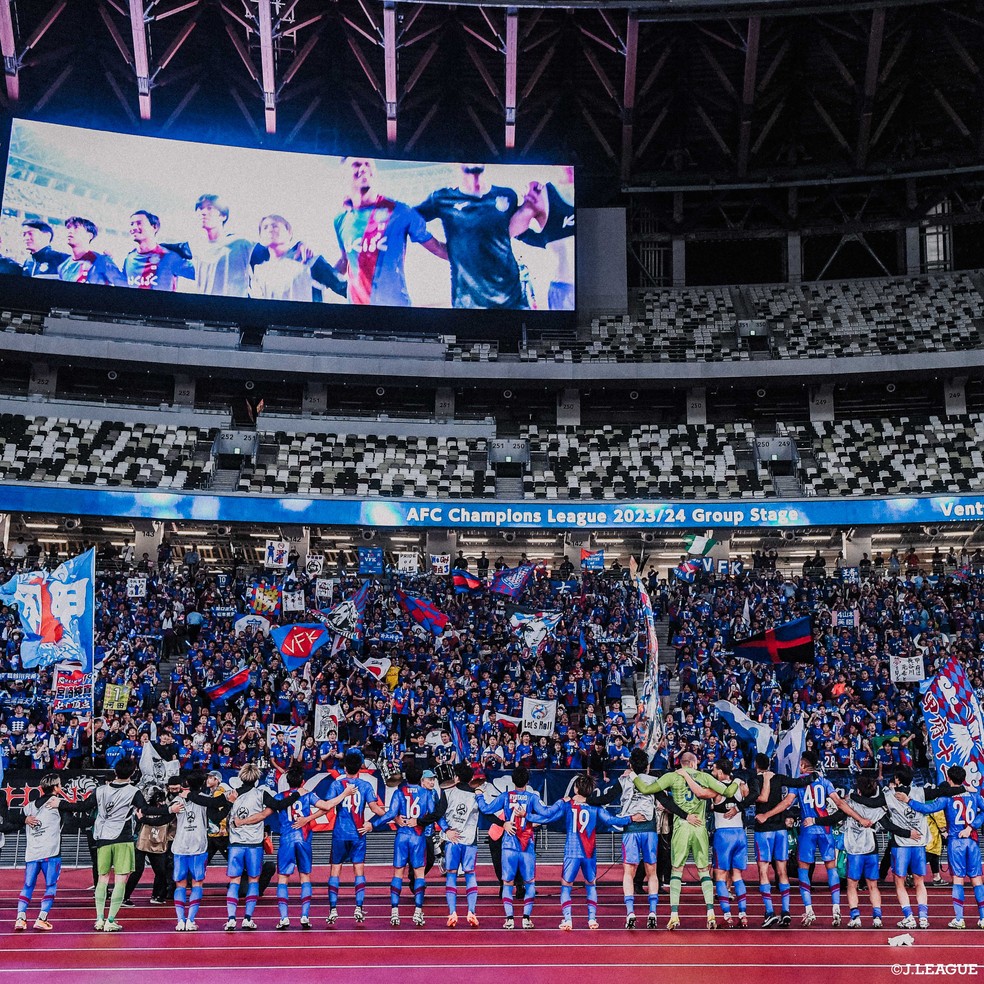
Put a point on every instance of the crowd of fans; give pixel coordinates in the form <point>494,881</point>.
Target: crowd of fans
<point>181,638</point>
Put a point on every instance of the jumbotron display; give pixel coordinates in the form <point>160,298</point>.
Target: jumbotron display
<point>92,207</point>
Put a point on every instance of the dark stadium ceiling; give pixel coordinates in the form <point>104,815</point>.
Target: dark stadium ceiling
<point>707,94</point>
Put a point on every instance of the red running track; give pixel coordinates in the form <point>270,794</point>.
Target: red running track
<point>72,952</point>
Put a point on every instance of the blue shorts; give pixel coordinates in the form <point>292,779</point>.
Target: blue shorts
<point>294,854</point>
<point>639,846</point>
<point>50,868</point>
<point>409,848</point>
<point>964,857</point>
<point>460,856</point>
<point>190,866</point>
<point>772,845</point>
<point>909,861</point>
<point>347,849</point>
<point>863,866</point>
<point>522,861</point>
<point>587,866</point>
<point>731,848</point>
<point>814,840</point>
<point>248,857</point>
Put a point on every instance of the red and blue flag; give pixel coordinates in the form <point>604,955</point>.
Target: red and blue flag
<point>226,689</point>
<point>465,583</point>
<point>512,581</point>
<point>791,642</point>
<point>424,613</point>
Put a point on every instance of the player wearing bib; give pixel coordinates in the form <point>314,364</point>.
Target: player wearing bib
<point>639,838</point>
<point>909,853</point>
<point>112,833</point>
<point>193,808</point>
<point>816,800</point>
<point>861,850</point>
<point>582,821</point>
<point>964,819</point>
<point>42,852</point>
<point>518,806</point>
<point>730,845</point>
<point>246,841</point>
<point>294,844</point>
<point>690,790</point>
<point>348,837</point>
<point>460,825</point>
<point>771,842</point>
<point>415,808</point>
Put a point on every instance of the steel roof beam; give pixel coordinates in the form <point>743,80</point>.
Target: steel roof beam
<point>389,55</point>
<point>268,70</point>
<point>141,58</point>
<point>512,47</point>
<point>8,46</point>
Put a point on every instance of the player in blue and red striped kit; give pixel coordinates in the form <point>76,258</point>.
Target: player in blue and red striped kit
<point>348,837</point>
<point>518,807</point>
<point>964,819</point>
<point>582,820</point>
<point>415,807</point>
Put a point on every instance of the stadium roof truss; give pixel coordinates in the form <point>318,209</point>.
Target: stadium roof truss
<point>714,107</point>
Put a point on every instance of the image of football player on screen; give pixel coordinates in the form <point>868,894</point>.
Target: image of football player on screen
<point>152,265</point>
<point>284,269</point>
<point>553,213</point>
<point>43,260</point>
<point>85,265</point>
<point>480,221</point>
<point>222,262</point>
<point>372,233</point>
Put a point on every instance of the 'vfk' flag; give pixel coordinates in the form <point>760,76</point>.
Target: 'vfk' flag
<point>298,643</point>
<point>512,581</point>
<point>593,560</point>
<point>465,583</point>
<point>788,643</point>
<point>226,689</point>
<point>423,613</point>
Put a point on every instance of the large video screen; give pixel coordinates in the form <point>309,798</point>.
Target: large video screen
<point>89,207</point>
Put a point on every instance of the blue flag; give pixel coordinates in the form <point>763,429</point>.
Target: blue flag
<point>512,581</point>
<point>370,560</point>
<point>57,612</point>
<point>298,643</point>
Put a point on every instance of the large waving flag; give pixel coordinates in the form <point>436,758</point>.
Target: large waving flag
<point>791,642</point>
<point>298,643</point>
<point>465,583</point>
<point>649,711</point>
<point>512,581</point>
<point>700,545</point>
<point>756,732</point>
<point>226,689</point>
<point>348,617</point>
<point>57,613</point>
<point>954,722</point>
<point>593,560</point>
<point>535,629</point>
<point>423,613</point>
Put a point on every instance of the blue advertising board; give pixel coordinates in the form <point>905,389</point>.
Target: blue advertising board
<point>718,514</point>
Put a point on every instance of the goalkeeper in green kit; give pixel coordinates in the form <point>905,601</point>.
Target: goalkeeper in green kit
<point>690,790</point>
